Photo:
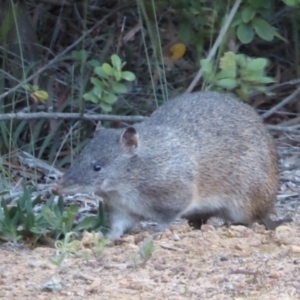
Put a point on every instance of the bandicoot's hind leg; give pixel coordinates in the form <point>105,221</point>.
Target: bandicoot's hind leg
<point>196,220</point>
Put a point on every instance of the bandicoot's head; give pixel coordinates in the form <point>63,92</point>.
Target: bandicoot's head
<point>104,164</point>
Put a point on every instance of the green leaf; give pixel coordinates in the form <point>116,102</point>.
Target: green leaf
<point>237,20</point>
<point>241,60</point>
<point>129,76</point>
<point>248,13</point>
<point>97,82</point>
<point>117,74</point>
<point>107,69</point>
<point>80,55</point>
<point>87,96</point>
<point>100,72</point>
<point>245,33</point>
<point>291,3</point>
<point>50,217</point>
<point>8,22</point>
<point>116,62</point>
<point>119,87</point>
<point>228,64</point>
<point>263,29</point>
<point>225,74</point>
<point>70,217</point>
<point>227,83</point>
<point>206,66</point>
<point>257,64</point>
<point>94,63</point>
<point>279,36</point>
<point>86,223</point>
<point>97,90</point>
<point>60,206</point>
<point>265,80</point>
<point>109,98</point>
<point>27,87</point>
<point>90,97</point>
<point>106,107</point>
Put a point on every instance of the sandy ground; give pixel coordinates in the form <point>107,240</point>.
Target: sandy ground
<point>212,263</point>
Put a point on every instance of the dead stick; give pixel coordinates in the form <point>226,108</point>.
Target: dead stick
<point>281,104</point>
<point>70,116</point>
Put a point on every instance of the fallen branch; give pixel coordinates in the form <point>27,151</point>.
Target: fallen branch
<point>98,117</point>
<point>282,103</point>
<point>284,129</point>
<point>69,116</point>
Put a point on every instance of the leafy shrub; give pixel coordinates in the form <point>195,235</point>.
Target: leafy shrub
<point>107,80</point>
<point>31,218</point>
<point>238,73</point>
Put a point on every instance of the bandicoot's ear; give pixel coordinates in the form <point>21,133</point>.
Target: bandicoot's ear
<point>130,138</point>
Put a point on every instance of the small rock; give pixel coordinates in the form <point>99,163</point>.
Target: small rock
<point>94,287</point>
<point>274,275</point>
<point>223,258</point>
<point>88,239</point>
<point>238,247</point>
<point>52,285</point>
<point>295,249</point>
<point>216,279</point>
<point>32,263</point>
<point>165,278</point>
<point>135,286</point>
<point>284,235</point>
<point>229,233</point>
<point>176,237</point>
<point>206,228</point>
<point>159,267</point>
<point>241,231</point>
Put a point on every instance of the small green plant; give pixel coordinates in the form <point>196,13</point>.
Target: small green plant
<point>68,245</point>
<point>20,220</point>
<point>107,80</point>
<point>30,218</point>
<point>238,73</point>
<point>251,20</point>
<point>61,220</point>
<point>135,260</point>
<point>146,250</point>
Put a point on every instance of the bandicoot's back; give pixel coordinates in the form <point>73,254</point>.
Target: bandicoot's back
<point>199,155</point>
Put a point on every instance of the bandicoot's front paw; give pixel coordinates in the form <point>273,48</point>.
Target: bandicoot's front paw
<point>114,234</point>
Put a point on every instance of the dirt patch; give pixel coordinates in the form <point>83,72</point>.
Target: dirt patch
<point>214,263</point>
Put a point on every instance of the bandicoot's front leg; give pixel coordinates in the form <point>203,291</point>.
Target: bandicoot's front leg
<point>119,224</point>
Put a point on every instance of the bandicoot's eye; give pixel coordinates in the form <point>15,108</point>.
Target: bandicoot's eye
<point>97,167</point>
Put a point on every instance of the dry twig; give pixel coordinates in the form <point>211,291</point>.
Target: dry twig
<point>69,116</point>
<point>217,43</point>
<point>281,104</point>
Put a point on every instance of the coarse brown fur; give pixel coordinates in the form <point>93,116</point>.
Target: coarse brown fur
<point>199,155</point>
